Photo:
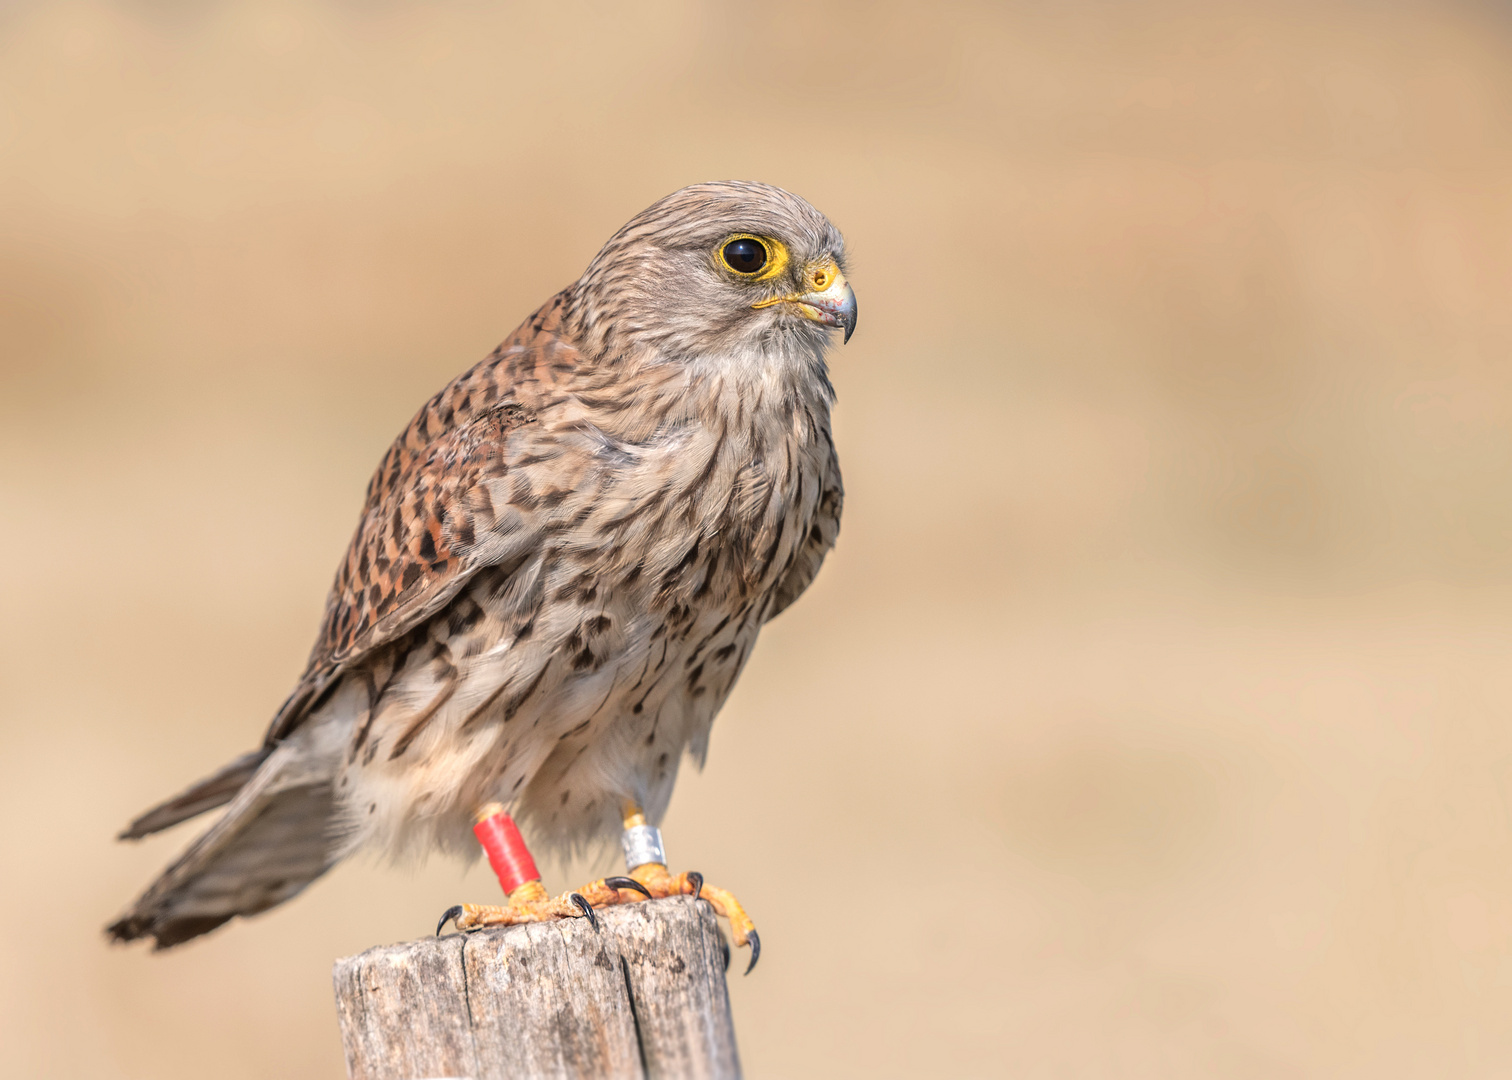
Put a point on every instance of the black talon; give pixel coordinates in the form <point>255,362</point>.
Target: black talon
<point>585,907</point>
<point>697,879</point>
<point>447,916</point>
<point>725,945</point>
<point>755,950</point>
<point>628,883</point>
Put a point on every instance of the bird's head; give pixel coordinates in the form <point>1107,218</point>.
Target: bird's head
<point>718,270</point>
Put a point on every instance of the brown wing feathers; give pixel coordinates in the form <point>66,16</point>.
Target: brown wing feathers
<point>428,508</point>
<point>421,536</point>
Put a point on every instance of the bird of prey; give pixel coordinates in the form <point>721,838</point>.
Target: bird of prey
<point>560,570</point>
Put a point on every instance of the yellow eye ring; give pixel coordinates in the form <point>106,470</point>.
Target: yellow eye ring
<point>754,258</point>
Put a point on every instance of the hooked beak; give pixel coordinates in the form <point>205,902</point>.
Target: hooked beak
<point>835,306</point>
<point>831,303</point>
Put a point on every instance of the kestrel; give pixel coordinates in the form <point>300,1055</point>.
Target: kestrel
<point>560,570</point>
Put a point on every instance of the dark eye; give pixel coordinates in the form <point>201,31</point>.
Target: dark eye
<point>745,256</point>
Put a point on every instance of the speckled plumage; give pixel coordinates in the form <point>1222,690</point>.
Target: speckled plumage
<point>561,568</point>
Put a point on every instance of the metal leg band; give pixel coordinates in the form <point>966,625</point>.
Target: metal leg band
<point>643,844</point>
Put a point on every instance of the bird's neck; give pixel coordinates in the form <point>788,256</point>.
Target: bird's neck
<point>753,396</point>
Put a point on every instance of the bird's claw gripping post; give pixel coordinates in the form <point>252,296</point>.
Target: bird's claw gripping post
<point>579,902</point>
<point>628,883</point>
<point>647,862</point>
<point>518,877</point>
<point>450,914</point>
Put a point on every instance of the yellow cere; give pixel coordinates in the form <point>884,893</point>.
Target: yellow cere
<point>818,278</point>
<point>823,276</point>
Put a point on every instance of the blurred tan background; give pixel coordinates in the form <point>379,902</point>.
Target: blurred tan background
<point>1154,716</point>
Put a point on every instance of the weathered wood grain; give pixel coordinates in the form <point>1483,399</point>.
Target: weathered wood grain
<point>643,996</point>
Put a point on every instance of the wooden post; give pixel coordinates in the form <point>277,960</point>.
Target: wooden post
<point>643,996</point>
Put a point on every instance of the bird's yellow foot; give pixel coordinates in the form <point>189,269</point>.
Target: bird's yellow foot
<point>650,879</point>
<point>527,903</point>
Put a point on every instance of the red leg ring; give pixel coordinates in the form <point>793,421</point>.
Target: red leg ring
<point>506,851</point>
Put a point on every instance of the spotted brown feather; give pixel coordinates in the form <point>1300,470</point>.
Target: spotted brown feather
<point>427,505</point>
